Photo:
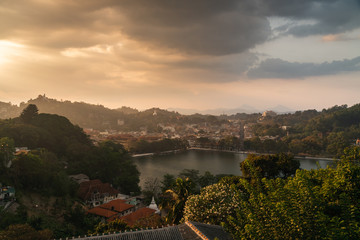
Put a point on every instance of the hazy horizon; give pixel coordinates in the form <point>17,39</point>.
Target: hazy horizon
<point>200,55</point>
<point>214,111</point>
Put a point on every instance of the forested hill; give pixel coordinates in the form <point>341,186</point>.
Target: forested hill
<point>90,115</point>
<point>100,118</point>
<point>53,132</point>
<point>310,132</point>
<point>309,122</point>
<point>54,138</point>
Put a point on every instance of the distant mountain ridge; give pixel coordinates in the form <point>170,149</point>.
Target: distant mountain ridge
<point>125,118</point>
<point>231,111</point>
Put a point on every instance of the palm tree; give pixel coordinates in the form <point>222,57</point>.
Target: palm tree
<point>182,189</point>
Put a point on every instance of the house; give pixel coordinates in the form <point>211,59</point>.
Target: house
<point>185,231</point>
<point>7,193</point>
<point>113,209</point>
<point>94,192</point>
<point>79,178</point>
<point>21,150</point>
<point>146,216</point>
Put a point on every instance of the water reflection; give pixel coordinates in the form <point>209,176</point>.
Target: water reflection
<point>212,161</point>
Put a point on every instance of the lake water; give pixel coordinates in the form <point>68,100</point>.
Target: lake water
<point>212,161</point>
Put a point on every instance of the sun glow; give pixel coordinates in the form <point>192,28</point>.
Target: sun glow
<point>8,49</point>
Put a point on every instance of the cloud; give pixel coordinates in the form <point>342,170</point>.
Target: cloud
<point>201,27</point>
<point>159,41</point>
<point>327,16</point>
<point>205,27</point>
<point>195,27</point>
<point>277,68</point>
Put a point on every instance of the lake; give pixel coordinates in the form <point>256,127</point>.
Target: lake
<point>212,161</point>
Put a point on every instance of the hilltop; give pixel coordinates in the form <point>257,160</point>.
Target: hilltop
<point>101,118</point>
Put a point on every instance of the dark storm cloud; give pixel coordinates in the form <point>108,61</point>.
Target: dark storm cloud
<point>277,68</point>
<point>205,27</point>
<point>202,27</point>
<point>327,16</point>
<point>231,26</point>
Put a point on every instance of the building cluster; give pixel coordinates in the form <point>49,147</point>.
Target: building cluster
<point>171,131</point>
<point>108,203</point>
<point>213,131</point>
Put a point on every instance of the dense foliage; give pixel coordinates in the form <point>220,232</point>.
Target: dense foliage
<point>316,204</point>
<point>269,166</point>
<point>213,205</point>
<point>46,196</point>
<point>143,146</point>
<point>24,232</point>
<point>310,132</point>
<point>61,149</point>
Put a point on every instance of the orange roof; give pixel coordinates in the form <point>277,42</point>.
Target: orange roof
<point>86,189</point>
<point>102,212</point>
<point>117,205</point>
<point>132,218</point>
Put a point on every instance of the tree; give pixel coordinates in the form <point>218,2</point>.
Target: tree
<point>207,179</point>
<point>29,113</point>
<point>111,163</point>
<point>168,182</point>
<point>351,154</point>
<point>24,232</point>
<point>287,165</point>
<point>117,225</point>
<point>316,204</point>
<point>179,195</point>
<point>213,205</point>
<point>7,149</point>
<point>193,176</point>
<point>152,188</point>
<point>269,166</point>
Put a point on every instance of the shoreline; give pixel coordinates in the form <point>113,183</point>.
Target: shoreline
<point>229,151</point>
<point>158,154</point>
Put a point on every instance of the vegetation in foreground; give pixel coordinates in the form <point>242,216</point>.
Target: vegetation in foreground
<point>316,204</point>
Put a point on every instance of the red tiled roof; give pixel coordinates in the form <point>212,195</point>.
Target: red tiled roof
<point>135,216</point>
<point>102,212</point>
<point>86,189</point>
<point>117,205</point>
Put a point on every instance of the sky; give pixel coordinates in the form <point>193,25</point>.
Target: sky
<point>201,54</point>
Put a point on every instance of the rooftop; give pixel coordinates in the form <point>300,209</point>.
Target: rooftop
<point>132,218</point>
<point>117,205</point>
<point>186,231</point>
<point>86,189</point>
<point>102,212</point>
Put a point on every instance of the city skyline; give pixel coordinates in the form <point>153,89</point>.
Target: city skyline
<point>182,54</point>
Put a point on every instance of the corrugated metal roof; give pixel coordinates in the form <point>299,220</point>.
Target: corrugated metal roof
<point>165,233</point>
<point>187,231</point>
<point>210,231</point>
